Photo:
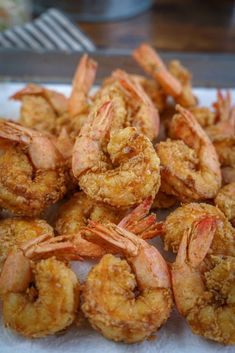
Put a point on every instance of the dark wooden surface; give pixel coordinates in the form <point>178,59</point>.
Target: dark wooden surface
<point>182,29</point>
<point>215,70</point>
<point>173,25</point>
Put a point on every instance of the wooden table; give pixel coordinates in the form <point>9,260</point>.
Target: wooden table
<point>173,25</point>
<point>201,31</point>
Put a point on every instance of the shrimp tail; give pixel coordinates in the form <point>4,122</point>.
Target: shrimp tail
<point>133,87</point>
<point>83,80</point>
<point>14,132</point>
<point>16,273</point>
<point>140,223</point>
<point>46,245</point>
<point>111,235</point>
<point>87,144</point>
<point>149,60</point>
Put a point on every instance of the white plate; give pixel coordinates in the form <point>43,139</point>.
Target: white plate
<point>174,337</point>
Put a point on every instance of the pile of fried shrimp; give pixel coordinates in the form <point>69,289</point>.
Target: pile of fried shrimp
<point>139,143</point>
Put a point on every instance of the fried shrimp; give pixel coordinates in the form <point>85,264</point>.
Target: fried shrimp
<point>32,170</point>
<point>183,218</point>
<point>204,286</point>
<point>153,90</point>
<point>74,215</point>
<point>131,104</point>
<point>110,300</point>
<point>43,297</point>
<point>125,174</point>
<point>40,297</point>
<point>222,134</point>
<point>225,200</point>
<point>16,231</point>
<point>190,166</point>
<point>150,86</point>
<point>79,103</point>
<point>205,116</point>
<point>143,115</point>
<point>175,82</point>
<point>40,107</point>
<point>83,80</point>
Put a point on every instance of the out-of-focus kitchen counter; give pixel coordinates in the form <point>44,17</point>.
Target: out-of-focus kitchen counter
<point>172,25</point>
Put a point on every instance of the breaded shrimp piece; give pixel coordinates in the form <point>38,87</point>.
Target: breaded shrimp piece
<point>123,174</point>
<point>110,300</point>
<point>175,82</point>
<point>40,107</point>
<point>225,200</point>
<point>204,285</point>
<point>16,231</point>
<point>47,308</point>
<point>185,216</point>
<point>32,170</point>
<point>190,166</point>
<point>75,214</point>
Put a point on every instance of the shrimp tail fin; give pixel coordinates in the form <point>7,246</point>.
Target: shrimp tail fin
<point>14,132</point>
<point>201,239</point>
<point>112,235</point>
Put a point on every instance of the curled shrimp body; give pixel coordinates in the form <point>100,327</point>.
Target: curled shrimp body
<point>143,114</point>
<point>40,297</point>
<point>185,216</point>
<point>112,92</point>
<point>204,285</point>
<point>110,302</point>
<point>150,86</point>
<point>16,231</point>
<point>128,176</point>
<point>32,172</point>
<point>75,214</point>
<point>47,309</point>
<point>131,104</point>
<point>175,82</point>
<point>225,200</point>
<point>222,134</point>
<point>190,166</point>
<point>40,107</point>
<point>153,90</point>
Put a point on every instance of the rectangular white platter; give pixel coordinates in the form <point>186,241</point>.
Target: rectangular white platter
<point>174,336</point>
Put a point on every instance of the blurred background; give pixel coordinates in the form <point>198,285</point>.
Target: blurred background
<point>170,25</point>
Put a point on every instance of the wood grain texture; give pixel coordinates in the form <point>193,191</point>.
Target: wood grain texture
<point>180,25</point>
<point>208,70</point>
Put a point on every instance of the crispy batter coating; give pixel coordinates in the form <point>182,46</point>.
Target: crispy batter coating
<point>16,231</point>
<point>190,166</point>
<point>48,307</point>
<point>225,200</point>
<point>184,217</point>
<point>25,190</point>
<point>214,313</point>
<point>75,213</point>
<point>136,176</point>
<point>122,174</point>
